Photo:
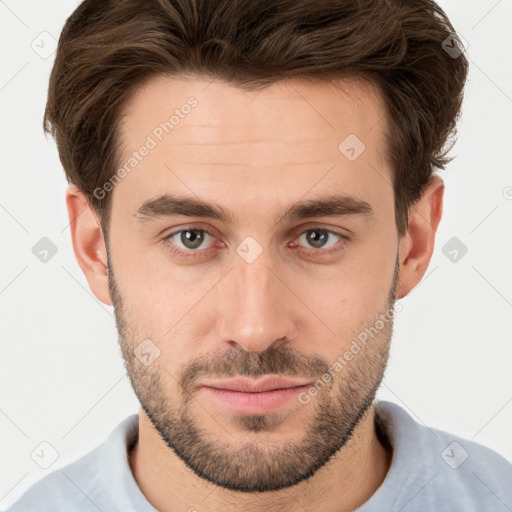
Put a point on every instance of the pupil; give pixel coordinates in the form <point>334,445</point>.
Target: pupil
<point>191,239</point>
<point>317,238</point>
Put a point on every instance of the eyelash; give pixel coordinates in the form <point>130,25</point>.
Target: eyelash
<point>198,253</point>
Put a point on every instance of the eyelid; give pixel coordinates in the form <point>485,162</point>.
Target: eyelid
<point>345,233</point>
<point>337,247</point>
<point>192,228</point>
<point>300,231</point>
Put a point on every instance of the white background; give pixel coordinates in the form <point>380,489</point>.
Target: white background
<point>61,373</point>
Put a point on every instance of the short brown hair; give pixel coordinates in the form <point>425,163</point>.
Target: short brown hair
<point>109,48</point>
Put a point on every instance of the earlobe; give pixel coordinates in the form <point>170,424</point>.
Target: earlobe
<point>88,243</point>
<point>417,245</point>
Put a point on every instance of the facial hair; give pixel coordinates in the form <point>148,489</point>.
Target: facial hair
<point>253,466</point>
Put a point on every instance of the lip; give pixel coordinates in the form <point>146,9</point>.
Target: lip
<point>266,383</point>
<point>248,396</point>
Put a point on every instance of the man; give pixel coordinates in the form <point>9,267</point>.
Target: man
<point>252,188</point>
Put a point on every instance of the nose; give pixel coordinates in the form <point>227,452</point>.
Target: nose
<point>256,307</point>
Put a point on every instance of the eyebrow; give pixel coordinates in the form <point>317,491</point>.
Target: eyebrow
<point>169,205</point>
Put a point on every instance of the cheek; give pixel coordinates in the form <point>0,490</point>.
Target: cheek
<point>344,308</point>
<point>356,294</point>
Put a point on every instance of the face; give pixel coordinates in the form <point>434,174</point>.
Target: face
<point>285,262</point>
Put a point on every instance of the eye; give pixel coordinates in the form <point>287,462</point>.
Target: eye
<point>321,238</point>
<point>193,242</point>
<point>187,241</point>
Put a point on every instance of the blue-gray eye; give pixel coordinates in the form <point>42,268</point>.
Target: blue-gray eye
<point>190,239</point>
<point>318,238</point>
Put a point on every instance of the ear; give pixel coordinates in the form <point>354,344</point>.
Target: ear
<point>88,243</point>
<point>417,245</point>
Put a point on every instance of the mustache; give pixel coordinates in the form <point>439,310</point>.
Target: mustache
<point>275,360</point>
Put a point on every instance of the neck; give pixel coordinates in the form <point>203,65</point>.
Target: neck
<point>347,481</point>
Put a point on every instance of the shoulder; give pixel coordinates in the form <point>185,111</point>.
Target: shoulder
<point>82,485</point>
<point>432,468</point>
<point>55,491</point>
<point>70,486</point>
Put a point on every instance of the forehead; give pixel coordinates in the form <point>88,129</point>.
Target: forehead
<point>298,109</point>
<point>209,137</point>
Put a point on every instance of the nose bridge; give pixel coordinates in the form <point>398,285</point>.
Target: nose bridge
<point>254,314</point>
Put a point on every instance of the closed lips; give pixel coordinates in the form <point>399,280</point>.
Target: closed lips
<point>256,386</point>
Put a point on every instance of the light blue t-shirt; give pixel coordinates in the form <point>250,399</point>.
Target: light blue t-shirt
<point>431,471</point>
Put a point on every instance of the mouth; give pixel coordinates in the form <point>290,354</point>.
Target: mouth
<point>249,396</point>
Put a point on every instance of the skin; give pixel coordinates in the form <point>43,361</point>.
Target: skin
<point>292,311</point>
